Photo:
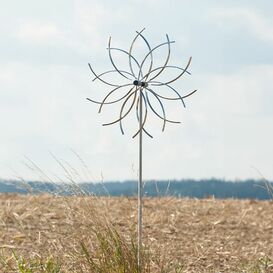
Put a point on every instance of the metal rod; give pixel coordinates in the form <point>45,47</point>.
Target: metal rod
<point>140,188</point>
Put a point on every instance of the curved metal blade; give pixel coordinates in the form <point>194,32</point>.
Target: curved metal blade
<point>145,116</point>
<point>149,54</point>
<point>120,121</point>
<point>92,70</point>
<point>184,70</point>
<point>112,61</point>
<point>179,98</point>
<point>168,98</point>
<point>131,56</point>
<point>111,71</point>
<point>162,108</point>
<point>167,66</point>
<point>189,94</point>
<point>131,48</point>
<point>110,93</point>
<point>145,78</point>
<point>122,108</point>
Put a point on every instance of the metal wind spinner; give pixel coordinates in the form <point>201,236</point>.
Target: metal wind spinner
<point>142,86</point>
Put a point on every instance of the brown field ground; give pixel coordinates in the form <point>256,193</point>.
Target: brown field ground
<point>205,235</point>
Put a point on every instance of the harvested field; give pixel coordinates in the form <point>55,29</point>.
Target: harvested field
<point>203,235</point>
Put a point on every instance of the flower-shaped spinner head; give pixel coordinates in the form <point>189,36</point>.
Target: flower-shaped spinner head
<point>142,85</point>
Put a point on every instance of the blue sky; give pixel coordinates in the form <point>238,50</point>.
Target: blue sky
<point>226,129</point>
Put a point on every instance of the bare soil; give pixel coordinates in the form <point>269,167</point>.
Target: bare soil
<point>205,235</point>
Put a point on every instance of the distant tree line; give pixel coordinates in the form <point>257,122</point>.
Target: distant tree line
<point>248,189</point>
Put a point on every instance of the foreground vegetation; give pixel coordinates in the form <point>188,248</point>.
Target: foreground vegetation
<point>89,234</point>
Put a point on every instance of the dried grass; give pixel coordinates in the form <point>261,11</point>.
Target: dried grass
<point>202,235</point>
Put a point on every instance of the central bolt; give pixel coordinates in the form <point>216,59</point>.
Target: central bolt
<point>139,83</point>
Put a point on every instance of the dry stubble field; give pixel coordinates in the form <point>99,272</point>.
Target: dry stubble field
<point>206,235</point>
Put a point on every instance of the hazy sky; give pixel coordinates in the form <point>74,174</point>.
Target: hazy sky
<point>227,127</point>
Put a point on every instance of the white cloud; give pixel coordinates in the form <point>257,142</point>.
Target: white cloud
<point>35,32</point>
<point>90,18</point>
<point>232,118</point>
<point>249,19</point>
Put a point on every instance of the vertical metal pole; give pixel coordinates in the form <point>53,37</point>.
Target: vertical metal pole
<point>140,187</point>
